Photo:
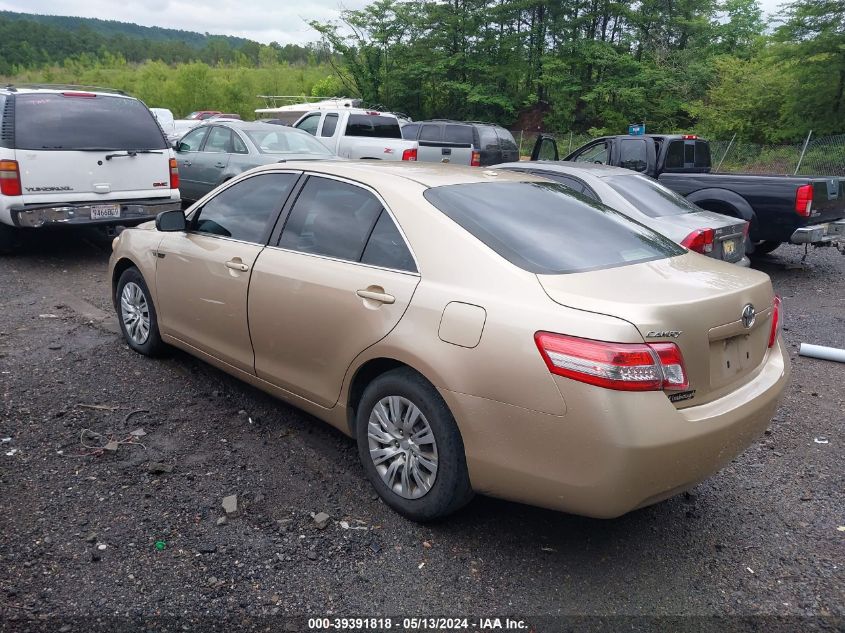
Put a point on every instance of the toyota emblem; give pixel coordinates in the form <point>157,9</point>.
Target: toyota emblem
<point>749,315</point>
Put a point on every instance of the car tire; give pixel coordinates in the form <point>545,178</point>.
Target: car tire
<point>765,247</point>
<point>137,314</point>
<point>439,495</point>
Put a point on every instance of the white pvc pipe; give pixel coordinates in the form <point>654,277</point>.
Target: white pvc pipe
<point>820,351</point>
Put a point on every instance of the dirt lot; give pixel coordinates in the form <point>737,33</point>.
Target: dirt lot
<point>79,528</point>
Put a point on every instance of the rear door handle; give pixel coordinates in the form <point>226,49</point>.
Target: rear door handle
<point>237,264</point>
<point>381,297</point>
<point>186,163</point>
<point>221,165</point>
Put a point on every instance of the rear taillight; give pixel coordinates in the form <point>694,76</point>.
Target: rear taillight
<point>700,241</point>
<point>746,229</point>
<point>409,154</point>
<point>804,200</point>
<point>776,320</point>
<point>476,160</point>
<point>689,137</point>
<point>10,178</point>
<point>619,366</point>
<point>174,174</point>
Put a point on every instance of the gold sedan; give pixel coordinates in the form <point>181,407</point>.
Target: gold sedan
<point>473,330</point>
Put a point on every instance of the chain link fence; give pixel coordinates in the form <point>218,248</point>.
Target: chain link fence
<point>823,156</point>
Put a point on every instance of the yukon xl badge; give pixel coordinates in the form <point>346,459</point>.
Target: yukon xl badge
<point>37,189</point>
<point>664,334</point>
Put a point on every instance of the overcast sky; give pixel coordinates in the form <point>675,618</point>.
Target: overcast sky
<point>283,21</point>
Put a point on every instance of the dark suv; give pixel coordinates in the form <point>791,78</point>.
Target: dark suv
<point>461,142</point>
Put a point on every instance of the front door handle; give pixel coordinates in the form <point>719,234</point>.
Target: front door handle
<point>381,297</point>
<point>186,163</point>
<point>237,264</point>
<point>220,165</point>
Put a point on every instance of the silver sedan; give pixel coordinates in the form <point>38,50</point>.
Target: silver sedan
<point>648,202</point>
<point>216,151</point>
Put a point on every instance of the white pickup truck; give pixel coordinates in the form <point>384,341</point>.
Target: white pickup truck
<point>357,133</point>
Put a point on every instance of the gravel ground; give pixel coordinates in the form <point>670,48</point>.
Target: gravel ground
<point>79,529</point>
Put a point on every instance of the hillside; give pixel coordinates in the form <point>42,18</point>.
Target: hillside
<point>111,28</point>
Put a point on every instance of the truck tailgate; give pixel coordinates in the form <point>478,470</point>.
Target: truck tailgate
<point>828,199</point>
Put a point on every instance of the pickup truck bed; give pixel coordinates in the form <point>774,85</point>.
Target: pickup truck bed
<point>782,200</point>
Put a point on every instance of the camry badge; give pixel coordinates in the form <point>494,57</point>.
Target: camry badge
<point>749,315</point>
<point>664,334</point>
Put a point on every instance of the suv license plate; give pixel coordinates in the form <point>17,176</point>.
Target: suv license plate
<point>729,247</point>
<point>102,211</point>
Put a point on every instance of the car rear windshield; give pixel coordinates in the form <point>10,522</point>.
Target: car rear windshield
<point>687,154</point>
<point>83,122</point>
<point>282,140</point>
<point>650,197</point>
<point>545,228</point>
<point>373,125</point>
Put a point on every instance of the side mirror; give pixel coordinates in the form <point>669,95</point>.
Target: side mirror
<point>171,221</point>
<point>177,145</point>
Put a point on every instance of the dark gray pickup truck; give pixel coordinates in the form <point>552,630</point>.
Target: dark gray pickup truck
<point>795,209</point>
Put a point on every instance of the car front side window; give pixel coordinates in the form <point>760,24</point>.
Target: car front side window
<point>245,210</point>
<point>192,141</point>
<point>593,154</point>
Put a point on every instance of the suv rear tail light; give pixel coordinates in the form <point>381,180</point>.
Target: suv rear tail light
<point>409,154</point>
<point>804,200</point>
<point>476,160</point>
<point>174,174</point>
<point>10,178</point>
<point>777,318</point>
<point>619,366</point>
<point>700,241</point>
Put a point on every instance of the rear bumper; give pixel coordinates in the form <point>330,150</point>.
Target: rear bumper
<point>613,451</point>
<point>79,213</point>
<point>828,233</point>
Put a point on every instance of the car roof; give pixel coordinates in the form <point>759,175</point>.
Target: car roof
<point>242,125</point>
<point>427,174</point>
<point>570,167</point>
<point>60,88</point>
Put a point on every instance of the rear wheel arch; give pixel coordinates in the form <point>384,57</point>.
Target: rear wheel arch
<point>366,374</point>
<point>724,202</point>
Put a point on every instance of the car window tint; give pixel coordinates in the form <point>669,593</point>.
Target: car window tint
<point>192,141</point>
<point>488,138</point>
<point>410,130</point>
<point>76,121</point>
<point>593,154</point>
<point>219,141</point>
<point>244,210</point>
<point>458,134</point>
<point>632,154</point>
<point>285,140</point>
<point>373,125</point>
<point>309,124</point>
<point>238,144</point>
<point>329,125</point>
<point>431,132</point>
<point>650,197</point>
<point>566,181</point>
<point>387,248</point>
<point>545,228</point>
<point>331,218</point>
<point>675,155</point>
<point>506,140</point>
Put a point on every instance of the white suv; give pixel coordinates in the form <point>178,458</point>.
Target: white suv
<point>70,156</point>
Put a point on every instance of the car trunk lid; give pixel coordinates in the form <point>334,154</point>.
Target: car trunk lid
<point>680,300</point>
<point>729,233</point>
<point>828,199</point>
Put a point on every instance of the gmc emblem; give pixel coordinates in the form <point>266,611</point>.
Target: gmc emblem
<point>159,184</point>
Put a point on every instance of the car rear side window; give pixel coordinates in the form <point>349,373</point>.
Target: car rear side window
<point>410,130</point>
<point>488,138</point>
<point>461,134</point>
<point>329,125</point>
<point>373,125</point>
<point>386,247</point>
<point>83,121</point>
<point>506,140</point>
<point>331,218</point>
<point>544,228</point>
<point>244,210</point>
<point>650,197</point>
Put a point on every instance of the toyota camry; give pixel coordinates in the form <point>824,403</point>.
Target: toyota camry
<point>473,330</point>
